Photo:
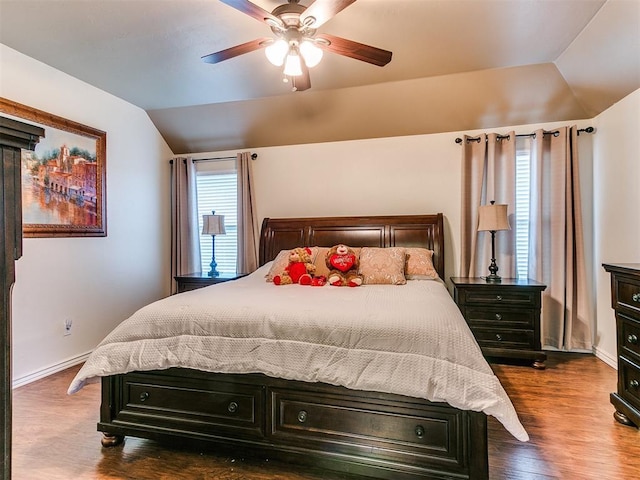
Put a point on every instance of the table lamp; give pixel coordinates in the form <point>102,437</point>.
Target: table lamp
<point>213,225</point>
<point>493,218</point>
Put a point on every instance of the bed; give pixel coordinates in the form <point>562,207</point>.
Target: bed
<point>303,389</point>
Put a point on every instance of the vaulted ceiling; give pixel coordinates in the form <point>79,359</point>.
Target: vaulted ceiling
<point>457,65</point>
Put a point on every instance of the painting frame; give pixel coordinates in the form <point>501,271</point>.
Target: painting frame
<point>63,126</point>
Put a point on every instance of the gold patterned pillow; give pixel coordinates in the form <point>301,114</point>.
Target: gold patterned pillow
<point>282,260</point>
<point>419,264</point>
<point>382,266</point>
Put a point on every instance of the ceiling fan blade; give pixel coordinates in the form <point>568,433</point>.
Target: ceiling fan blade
<point>302,82</point>
<point>359,51</point>
<point>235,51</point>
<point>253,10</point>
<point>323,11</point>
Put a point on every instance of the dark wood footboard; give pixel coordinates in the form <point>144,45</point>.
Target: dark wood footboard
<point>365,433</point>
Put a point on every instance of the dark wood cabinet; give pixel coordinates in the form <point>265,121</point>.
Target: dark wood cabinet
<point>14,136</point>
<point>625,301</point>
<point>504,317</point>
<point>193,281</point>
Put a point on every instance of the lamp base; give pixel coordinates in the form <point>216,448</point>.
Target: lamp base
<point>213,272</point>
<point>493,278</point>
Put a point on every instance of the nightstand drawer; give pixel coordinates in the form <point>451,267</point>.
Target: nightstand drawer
<point>502,296</point>
<point>500,338</point>
<point>500,317</point>
<point>629,381</point>
<point>629,339</point>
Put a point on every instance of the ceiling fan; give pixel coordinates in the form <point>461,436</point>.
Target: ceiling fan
<point>297,46</point>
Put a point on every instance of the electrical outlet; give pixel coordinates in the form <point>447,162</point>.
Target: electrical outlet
<point>67,326</point>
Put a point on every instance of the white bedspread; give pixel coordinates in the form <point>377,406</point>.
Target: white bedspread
<point>408,340</point>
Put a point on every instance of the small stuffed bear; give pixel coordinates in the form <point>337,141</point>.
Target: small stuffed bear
<point>342,263</point>
<point>299,270</point>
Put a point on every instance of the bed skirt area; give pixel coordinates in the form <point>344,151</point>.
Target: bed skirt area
<point>372,434</point>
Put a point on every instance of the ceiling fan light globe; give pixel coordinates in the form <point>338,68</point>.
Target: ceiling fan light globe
<point>276,52</point>
<point>311,53</point>
<point>292,66</point>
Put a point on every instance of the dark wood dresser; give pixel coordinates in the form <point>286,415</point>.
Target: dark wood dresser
<point>504,317</point>
<point>625,300</point>
<point>193,281</point>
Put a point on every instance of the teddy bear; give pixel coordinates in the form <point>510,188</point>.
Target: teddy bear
<point>299,270</point>
<point>342,263</point>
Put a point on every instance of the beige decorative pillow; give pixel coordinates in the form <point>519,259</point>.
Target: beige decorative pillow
<point>321,265</point>
<point>282,260</point>
<point>419,264</point>
<point>382,265</point>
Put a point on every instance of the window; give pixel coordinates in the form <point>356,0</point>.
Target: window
<point>217,191</point>
<point>523,163</point>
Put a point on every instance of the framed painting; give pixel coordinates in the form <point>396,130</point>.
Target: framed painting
<point>64,178</point>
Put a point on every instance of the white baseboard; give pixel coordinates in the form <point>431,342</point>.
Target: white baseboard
<point>606,358</point>
<point>45,372</point>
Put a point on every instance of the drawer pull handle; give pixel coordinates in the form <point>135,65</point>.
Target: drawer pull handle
<point>634,384</point>
<point>144,396</point>
<point>498,316</point>
<point>233,407</point>
<point>419,431</point>
<point>498,337</point>
<point>498,297</point>
<point>632,339</point>
<point>636,297</point>
<point>302,416</point>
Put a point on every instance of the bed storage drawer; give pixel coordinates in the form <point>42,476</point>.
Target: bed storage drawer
<point>350,426</point>
<point>212,408</point>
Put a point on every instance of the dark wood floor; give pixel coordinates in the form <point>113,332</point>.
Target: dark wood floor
<point>565,409</point>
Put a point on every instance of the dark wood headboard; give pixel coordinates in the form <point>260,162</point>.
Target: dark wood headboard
<point>385,231</point>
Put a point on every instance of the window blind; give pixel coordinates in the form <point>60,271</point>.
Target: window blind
<point>218,192</point>
<point>523,163</point>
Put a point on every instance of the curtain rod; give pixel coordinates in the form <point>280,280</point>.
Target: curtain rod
<point>500,137</point>
<point>253,157</point>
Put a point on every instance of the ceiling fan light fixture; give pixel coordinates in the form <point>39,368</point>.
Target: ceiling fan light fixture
<point>311,53</point>
<point>276,52</point>
<point>292,66</point>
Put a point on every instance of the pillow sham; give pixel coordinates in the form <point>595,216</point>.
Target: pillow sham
<point>382,266</point>
<point>282,260</point>
<point>419,264</point>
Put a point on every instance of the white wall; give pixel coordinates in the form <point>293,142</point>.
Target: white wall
<point>617,206</point>
<point>95,282</point>
<point>394,176</point>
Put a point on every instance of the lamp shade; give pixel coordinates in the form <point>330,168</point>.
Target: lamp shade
<point>493,218</point>
<point>213,225</point>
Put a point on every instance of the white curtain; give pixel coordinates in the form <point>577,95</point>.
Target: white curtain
<point>247,218</point>
<point>185,239</point>
<point>556,246</point>
<point>488,173</point>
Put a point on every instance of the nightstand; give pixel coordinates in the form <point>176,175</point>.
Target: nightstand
<point>193,281</point>
<point>504,317</point>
